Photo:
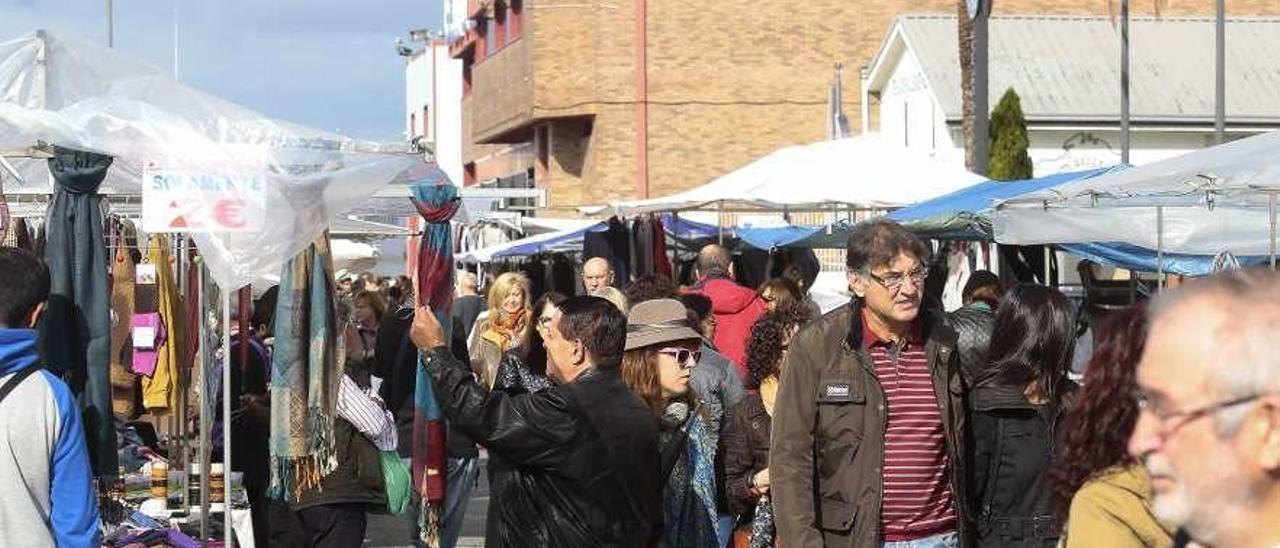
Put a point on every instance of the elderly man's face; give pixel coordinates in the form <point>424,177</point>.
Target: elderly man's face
<point>1200,476</point>
<point>596,274</point>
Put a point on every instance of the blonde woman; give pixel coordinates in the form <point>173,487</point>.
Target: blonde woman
<point>505,326</point>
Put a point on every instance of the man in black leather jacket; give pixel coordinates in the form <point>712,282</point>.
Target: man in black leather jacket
<point>584,453</point>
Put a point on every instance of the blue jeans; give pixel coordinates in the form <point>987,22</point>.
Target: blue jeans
<point>464,475</point>
<point>945,540</point>
<point>725,532</point>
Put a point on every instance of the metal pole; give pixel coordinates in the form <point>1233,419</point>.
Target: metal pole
<point>111,24</point>
<point>1124,81</point>
<point>1220,75</point>
<point>1272,208</point>
<point>720,221</point>
<point>205,423</point>
<point>226,417</point>
<point>981,110</point>
<point>1160,247</point>
<point>1048,262</point>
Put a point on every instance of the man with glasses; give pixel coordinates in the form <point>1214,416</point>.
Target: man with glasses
<point>869,421</point>
<point>1209,393</point>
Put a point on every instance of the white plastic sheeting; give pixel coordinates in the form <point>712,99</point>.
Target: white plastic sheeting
<point>74,94</point>
<point>863,172</point>
<point>1204,202</point>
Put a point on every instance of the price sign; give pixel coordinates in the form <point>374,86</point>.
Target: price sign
<point>177,201</point>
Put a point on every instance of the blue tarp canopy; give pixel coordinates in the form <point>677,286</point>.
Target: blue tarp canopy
<point>571,240</point>
<point>1131,257</point>
<point>966,213</point>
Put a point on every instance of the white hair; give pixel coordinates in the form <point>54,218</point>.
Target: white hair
<point>1241,313</point>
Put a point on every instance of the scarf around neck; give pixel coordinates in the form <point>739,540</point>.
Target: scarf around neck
<point>505,331</point>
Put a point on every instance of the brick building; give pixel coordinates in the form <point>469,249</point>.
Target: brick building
<point>642,98</point>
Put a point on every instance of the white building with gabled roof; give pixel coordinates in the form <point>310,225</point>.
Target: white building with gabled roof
<point>1066,70</point>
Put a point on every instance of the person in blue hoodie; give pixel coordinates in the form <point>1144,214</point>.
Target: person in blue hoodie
<point>46,486</point>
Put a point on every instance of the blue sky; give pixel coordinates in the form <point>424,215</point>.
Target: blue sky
<point>330,64</point>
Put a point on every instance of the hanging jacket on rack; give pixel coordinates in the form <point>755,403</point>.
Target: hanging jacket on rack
<point>124,385</point>
<point>158,392</point>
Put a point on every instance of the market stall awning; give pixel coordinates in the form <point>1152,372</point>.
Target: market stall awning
<point>862,172</point>
<point>966,213</point>
<point>70,93</point>
<point>570,240</point>
<point>1202,203</point>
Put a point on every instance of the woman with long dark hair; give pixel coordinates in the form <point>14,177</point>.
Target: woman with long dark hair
<point>1016,405</point>
<point>1106,491</point>
<point>748,425</point>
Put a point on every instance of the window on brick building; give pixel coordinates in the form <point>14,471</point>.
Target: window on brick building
<point>499,25</point>
<point>515,19</point>
<point>487,43</point>
<point>469,174</point>
<point>467,61</point>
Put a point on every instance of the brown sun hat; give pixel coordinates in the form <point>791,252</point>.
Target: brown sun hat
<point>658,321</point>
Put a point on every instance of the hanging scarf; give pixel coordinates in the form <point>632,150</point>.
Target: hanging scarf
<point>437,203</point>
<point>76,329</point>
<point>305,373</point>
<point>689,500</point>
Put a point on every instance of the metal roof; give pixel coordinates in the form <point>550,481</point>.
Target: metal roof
<point>1067,69</point>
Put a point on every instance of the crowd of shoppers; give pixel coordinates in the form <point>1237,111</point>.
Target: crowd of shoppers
<point>715,415</point>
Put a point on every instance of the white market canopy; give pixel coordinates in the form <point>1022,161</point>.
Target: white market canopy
<point>1214,200</point>
<point>862,172</point>
<point>69,93</point>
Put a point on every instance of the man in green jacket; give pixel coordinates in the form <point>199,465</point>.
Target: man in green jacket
<point>868,426</point>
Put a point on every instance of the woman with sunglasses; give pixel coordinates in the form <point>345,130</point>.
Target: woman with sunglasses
<point>749,423</point>
<point>661,352</point>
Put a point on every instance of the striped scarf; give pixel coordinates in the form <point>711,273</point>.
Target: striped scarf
<point>437,203</point>
<point>305,374</point>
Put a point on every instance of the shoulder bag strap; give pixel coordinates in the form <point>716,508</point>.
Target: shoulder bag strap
<point>15,380</point>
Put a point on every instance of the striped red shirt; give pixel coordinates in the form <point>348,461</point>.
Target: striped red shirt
<point>917,501</point>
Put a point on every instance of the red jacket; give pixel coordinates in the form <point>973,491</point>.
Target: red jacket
<point>736,309</point>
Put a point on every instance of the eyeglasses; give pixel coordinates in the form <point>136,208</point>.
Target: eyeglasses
<point>685,357</point>
<point>1166,419</point>
<point>892,281</point>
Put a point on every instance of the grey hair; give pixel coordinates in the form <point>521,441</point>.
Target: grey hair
<point>1244,317</point>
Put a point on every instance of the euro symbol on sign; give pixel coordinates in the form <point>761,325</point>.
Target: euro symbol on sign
<point>228,213</point>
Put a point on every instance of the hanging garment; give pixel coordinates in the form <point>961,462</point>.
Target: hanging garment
<point>958,272</point>
<point>148,337</point>
<point>661,262</point>
<point>614,245</point>
<point>159,393</point>
<point>76,331</point>
<point>124,385</point>
<point>641,247</point>
<point>437,203</point>
<point>305,373</point>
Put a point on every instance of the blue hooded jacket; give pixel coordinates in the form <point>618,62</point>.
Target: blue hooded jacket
<point>46,486</point>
